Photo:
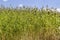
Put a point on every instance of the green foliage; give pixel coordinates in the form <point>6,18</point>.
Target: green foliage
<point>29,24</point>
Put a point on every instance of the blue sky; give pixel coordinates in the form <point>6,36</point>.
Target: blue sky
<point>32,3</point>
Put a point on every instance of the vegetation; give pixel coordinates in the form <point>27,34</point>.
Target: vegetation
<point>29,24</point>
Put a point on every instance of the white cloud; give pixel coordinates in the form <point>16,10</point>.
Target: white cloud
<point>20,5</point>
<point>5,0</point>
<point>58,9</point>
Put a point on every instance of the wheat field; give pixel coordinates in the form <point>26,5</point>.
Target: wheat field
<point>29,24</point>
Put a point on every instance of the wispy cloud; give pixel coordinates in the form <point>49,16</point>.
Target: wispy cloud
<point>5,0</point>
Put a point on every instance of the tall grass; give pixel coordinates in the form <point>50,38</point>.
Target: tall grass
<point>29,24</point>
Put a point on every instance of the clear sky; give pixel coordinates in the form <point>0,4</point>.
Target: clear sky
<point>38,3</point>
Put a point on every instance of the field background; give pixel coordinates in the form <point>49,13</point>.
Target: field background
<point>29,24</point>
